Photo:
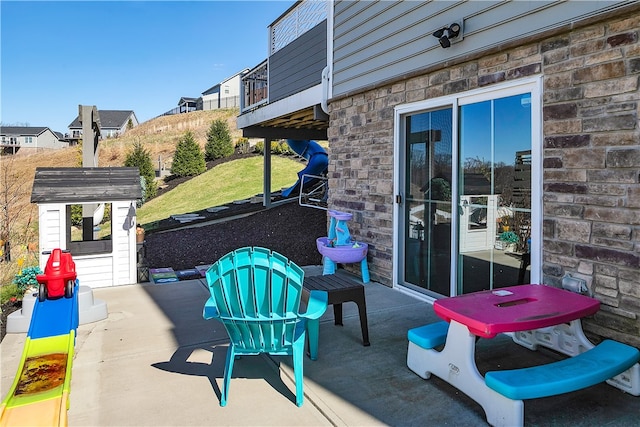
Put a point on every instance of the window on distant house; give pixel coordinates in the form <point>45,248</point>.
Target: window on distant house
<point>28,140</point>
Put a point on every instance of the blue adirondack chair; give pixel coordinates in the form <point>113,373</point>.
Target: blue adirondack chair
<point>256,293</point>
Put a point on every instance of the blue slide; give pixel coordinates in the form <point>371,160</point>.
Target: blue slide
<point>40,392</point>
<point>317,161</point>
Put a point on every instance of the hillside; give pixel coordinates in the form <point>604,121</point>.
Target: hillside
<point>158,135</point>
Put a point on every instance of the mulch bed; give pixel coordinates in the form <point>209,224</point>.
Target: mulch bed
<point>289,229</point>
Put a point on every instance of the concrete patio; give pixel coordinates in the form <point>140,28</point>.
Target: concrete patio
<point>154,361</point>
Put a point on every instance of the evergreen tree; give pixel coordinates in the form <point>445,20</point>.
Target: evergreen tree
<point>219,143</point>
<point>188,160</point>
<point>140,158</point>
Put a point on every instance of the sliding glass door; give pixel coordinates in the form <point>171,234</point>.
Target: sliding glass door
<point>466,194</point>
<point>494,192</point>
<point>427,213</point>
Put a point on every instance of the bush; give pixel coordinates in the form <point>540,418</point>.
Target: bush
<point>282,148</point>
<point>259,147</point>
<point>188,160</point>
<point>509,237</point>
<point>277,147</point>
<point>10,292</point>
<point>140,158</point>
<point>243,146</point>
<point>26,278</point>
<point>219,143</point>
<point>76,215</point>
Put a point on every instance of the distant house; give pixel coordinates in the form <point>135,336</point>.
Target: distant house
<point>16,138</point>
<point>113,123</point>
<point>187,105</point>
<point>225,94</point>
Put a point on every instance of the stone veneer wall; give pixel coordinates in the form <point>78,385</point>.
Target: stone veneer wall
<point>591,159</point>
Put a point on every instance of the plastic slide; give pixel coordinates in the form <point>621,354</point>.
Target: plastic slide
<point>317,158</point>
<point>39,395</point>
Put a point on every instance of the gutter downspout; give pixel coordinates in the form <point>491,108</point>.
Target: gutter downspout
<point>327,90</point>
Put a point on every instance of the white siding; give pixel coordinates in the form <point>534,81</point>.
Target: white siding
<point>95,271</point>
<point>227,96</point>
<point>52,229</point>
<point>124,244</point>
<point>99,270</point>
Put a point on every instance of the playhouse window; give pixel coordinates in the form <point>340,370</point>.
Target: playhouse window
<point>89,228</point>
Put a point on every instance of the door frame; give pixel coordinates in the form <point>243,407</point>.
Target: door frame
<point>532,85</point>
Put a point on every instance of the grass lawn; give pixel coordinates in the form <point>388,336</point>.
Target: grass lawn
<point>235,180</point>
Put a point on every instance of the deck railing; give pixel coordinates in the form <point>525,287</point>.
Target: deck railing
<point>296,21</point>
<point>255,87</point>
<point>10,142</point>
<point>302,17</point>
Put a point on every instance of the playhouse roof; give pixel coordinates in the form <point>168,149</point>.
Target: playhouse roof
<point>85,185</point>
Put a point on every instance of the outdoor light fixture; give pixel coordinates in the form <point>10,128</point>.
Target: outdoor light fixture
<point>444,35</point>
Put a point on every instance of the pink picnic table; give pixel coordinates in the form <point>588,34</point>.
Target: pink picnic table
<point>486,314</point>
<point>515,308</point>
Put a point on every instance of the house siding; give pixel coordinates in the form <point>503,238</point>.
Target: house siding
<point>107,130</point>
<point>30,139</point>
<point>591,156</point>
<point>224,95</point>
<point>378,41</point>
<point>47,139</point>
<point>298,66</point>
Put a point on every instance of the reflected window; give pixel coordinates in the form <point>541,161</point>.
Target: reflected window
<point>478,213</point>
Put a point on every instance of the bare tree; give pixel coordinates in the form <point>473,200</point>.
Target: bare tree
<point>14,190</point>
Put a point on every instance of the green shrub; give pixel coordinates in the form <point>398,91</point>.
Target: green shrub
<point>26,278</point>
<point>188,159</point>
<point>76,215</point>
<point>243,146</point>
<point>219,143</point>
<point>140,158</point>
<point>259,147</point>
<point>277,147</point>
<point>509,237</point>
<point>10,292</point>
<point>284,148</point>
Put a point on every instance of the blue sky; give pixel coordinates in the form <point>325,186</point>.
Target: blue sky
<point>122,55</point>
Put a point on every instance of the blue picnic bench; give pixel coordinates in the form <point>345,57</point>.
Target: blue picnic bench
<point>604,361</point>
<point>596,365</point>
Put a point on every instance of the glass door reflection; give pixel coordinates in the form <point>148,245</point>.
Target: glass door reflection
<point>494,183</point>
<point>427,208</point>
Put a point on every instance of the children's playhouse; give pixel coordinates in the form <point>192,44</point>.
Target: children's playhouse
<point>92,213</point>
